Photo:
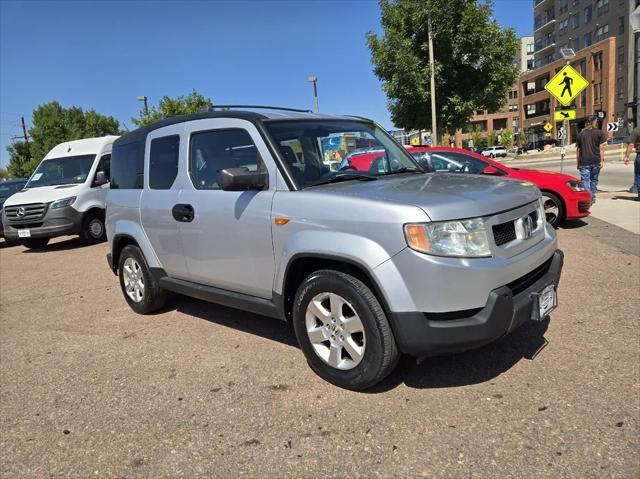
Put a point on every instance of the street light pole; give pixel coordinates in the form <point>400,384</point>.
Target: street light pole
<point>434,130</point>
<point>143,99</point>
<point>314,80</point>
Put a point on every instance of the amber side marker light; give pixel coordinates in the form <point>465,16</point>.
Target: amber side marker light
<point>281,221</point>
<point>417,238</point>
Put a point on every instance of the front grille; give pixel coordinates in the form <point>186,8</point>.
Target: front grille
<point>20,214</point>
<point>504,233</point>
<point>522,283</point>
<point>534,217</point>
<point>583,206</point>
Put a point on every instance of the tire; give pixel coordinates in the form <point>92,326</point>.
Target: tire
<point>133,268</point>
<point>370,337</point>
<point>93,230</point>
<point>553,208</point>
<point>35,243</point>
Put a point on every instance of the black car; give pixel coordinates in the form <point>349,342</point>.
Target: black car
<point>7,188</point>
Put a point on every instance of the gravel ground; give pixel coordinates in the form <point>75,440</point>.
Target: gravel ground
<point>89,389</point>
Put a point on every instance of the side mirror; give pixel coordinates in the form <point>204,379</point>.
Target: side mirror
<point>241,179</point>
<point>491,170</point>
<point>101,179</point>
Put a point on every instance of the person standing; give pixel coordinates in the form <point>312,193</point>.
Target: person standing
<point>634,141</point>
<point>590,155</point>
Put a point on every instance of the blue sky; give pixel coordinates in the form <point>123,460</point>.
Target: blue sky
<point>102,55</point>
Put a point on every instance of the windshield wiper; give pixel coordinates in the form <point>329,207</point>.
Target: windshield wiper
<point>345,177</point>
<point>404,169</point>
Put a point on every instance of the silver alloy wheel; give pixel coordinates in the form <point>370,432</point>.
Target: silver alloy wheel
<point>96,228</point>
<point>335,330</point>
<point>133,279</point>
<point>551,209</point>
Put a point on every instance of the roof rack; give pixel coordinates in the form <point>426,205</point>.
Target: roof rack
<point>261,107</point>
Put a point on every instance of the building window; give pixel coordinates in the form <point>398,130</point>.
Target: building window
<point>602,6</point>
<point>602,31</point>
<point>563,26</point>
<point>619,88</point>
<point>620,25</point>
<point>588,14</point>
<point>575,44</point>
<point>564,5</point>
<point>575,20</point>
<point>530,48</point>
<point>620,57</point>
<point>597,93</point>
<point>587,39</point>
<point>597,61</point>
<point>575,2</point>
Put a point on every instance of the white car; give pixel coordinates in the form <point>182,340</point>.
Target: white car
<point>65,195</point>
<point>495,151</point>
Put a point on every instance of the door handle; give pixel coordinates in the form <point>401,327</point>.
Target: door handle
<point>183,212</point>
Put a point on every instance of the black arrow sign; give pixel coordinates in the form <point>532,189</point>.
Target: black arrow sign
<point>612,127</point>
<point>565,115</point>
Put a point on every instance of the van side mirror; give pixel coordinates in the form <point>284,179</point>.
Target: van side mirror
<point>101,179</point>
<point>491,170</point>
<point>241,179</point>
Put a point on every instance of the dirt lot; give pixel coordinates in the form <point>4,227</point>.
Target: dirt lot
<point>89,389</point>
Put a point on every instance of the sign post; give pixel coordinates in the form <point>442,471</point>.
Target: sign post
<point>565,86</point>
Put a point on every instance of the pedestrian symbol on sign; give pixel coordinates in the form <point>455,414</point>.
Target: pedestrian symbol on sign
<point>567,81</point>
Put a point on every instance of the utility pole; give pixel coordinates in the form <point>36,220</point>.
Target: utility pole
<point>24,130</point>
<point>434,130</point>
<point>314,80</point>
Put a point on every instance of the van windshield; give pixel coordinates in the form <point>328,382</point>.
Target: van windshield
<point>62,171</point>
<point>324,151</point>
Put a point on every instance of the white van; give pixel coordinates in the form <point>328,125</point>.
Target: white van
<point>64,196</point>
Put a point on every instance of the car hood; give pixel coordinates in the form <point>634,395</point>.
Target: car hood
<point>42,194</point>
<point>444,196</point>
<point>542,175</point>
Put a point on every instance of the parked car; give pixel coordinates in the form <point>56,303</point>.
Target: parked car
<point>365,265</point>
<point>495,151</point>
<point>64,196</point>
<point>362,160</point>
<point>564,196</point>
<point>7,188</point>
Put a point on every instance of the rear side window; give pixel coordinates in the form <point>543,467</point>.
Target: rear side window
<point>127,166</point>
<point>212,151</point>
<point>163,162</point>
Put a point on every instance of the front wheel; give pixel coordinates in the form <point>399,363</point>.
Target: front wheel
<point>36,243</point>
<point>93,230</point>
<point>343,330</point>
<point>140,289</point>
<point>553,208</point>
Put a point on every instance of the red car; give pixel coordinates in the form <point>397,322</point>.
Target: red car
<point>564,196</point>
<point>362,160</point>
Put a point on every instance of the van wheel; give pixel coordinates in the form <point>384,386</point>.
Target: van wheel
<point>35,243</point>
<point>93,230</point>
<point>139,287</point>
<point>343,330</point>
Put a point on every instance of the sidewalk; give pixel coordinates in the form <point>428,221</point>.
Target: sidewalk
<point>618,209</point>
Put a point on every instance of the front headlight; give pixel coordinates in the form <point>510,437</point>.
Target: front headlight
<point>63,202</point>
<point>464,238</point>
<point>576,185</point>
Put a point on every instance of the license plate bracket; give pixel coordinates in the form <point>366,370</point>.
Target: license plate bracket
<point>24,233</point>
<point>544,302</point>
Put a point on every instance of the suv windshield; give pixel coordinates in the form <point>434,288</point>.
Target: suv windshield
<point>323,151</point>
<point>62,171</point>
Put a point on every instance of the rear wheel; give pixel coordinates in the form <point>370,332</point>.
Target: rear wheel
<point>35,243</point>
<point>343,330</point>
<point>553,208</point>
<point>93,230</point>
<point>140,289</point>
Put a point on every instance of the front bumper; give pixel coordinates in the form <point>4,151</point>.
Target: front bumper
<point>578,204</point>
<point>55,222</point>
<point>508,307</point>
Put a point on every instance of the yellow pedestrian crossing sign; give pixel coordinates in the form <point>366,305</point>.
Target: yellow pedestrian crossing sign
<point>548,127</point>
<point>566,85</point>
<point>561,115</point>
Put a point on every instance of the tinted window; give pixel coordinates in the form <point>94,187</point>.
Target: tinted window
<point>452,162</point>
<point>127,166</point>
<point>104,165</point>
<point>212,151</point>
<point>163,162</point>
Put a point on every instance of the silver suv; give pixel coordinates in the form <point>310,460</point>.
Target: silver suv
<point>241,208</point>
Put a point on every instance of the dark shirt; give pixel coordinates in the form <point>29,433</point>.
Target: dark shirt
<point>589,141</point>
<point>635,139</point>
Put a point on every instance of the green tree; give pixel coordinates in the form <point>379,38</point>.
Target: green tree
<point>492,139</point>
<point>476,135</point>
<point>507,139</point>
<point>474,67</point>
<point>181,105</point>
<point>3,174</point>
<point>53,124</point>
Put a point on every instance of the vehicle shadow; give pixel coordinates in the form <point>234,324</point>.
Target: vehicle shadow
<point>263,326</point>
<point>573,224</point>
<point>471,367</point>
<point>72,243</point>
<point>628,198</point>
